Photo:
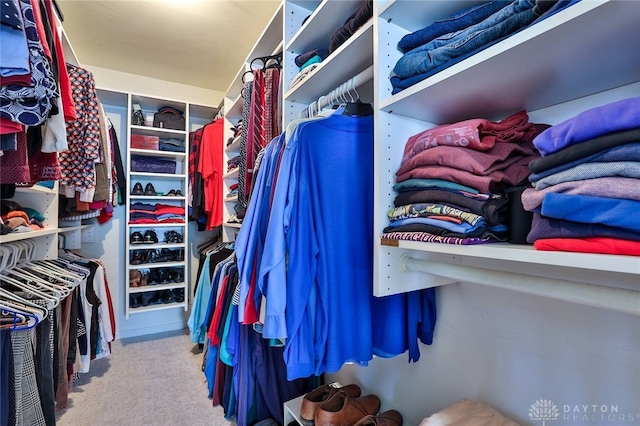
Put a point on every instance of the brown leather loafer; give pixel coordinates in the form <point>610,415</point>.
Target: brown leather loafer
<point>387,418</point>
<point>320,394</point>
<point>343,410</point>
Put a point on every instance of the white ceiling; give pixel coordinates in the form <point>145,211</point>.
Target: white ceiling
<point>196,42</point>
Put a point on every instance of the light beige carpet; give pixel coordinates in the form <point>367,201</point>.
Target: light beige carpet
<point>151,380</point>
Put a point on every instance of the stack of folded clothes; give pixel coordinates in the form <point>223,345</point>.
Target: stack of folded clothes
<point>459,36</point>
<point>155,213</point>
<point>452,179</point>
<point>587,192</point>
<point>233,163</point>
<point>311,59</point>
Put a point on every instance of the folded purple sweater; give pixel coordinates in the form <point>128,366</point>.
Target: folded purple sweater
<point>594,122</point>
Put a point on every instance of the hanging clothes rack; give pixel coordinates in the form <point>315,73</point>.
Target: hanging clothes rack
<point>343,93</point>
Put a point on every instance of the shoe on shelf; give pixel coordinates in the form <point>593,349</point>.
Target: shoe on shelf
<point>178,294</point>
<point>386,418</point>
<point>172,193</point>
<point>313,399</point>
<point>150,237</point>
<point>179,193</point>
<point>150,190</point>
<point>179,255</point>
<point>153,278</point>
<point>135,278</point>
<point>134,300</point>
<point>151,256</point>
<point>137,257</point>
<point>173,237</point>
<point>147,298</point>
<point>343,409</point>
<point>166,255</point>
<point>163,276</point>
<point>167,296</point>
<point>136,238</point>
<point>137,189</point>
<point>176,275</point>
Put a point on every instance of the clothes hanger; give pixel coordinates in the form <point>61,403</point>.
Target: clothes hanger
<point>357,108</point>
<point>51,302</point>
<point>29,271</point>
<point>22,305</point>
<point>13,319</point>
<point>48,266</point>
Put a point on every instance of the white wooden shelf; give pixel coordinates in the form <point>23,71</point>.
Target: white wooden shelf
<point>156,225</point>
<point>157,307</point>
<point>528,254</point>
<point>155,246</point>
<point>178,156</point>
<point>157,175</point>
<point>232,225</point>
<point>315,33</point>
<point>232,174</point>
<point>157,197</point>
<point>584,62</point>
<point>353,56</point>
<point>18,236</point>
<point>157,131</point>
<point>155,287</point>
<point>235,145</point>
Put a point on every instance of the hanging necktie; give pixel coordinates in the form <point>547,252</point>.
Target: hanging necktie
<point>244,137</point>
<point>271,87</point>
<point>256,136</point>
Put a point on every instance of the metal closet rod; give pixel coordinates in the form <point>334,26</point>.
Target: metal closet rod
<point>611,298</point>
<point>355,81</point>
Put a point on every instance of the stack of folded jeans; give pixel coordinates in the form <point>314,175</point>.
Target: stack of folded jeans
<point>459,36</point>
<point>452,179</point>
<point>587,187</point>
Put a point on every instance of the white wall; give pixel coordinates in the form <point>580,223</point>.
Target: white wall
<point>126,82</point>
<point>509,350</point>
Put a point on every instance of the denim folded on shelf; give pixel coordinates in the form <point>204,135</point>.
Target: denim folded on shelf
<point>456,22</point>
<point>508,20</point>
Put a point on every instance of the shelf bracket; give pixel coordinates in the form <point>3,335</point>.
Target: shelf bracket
<point>611,298</point>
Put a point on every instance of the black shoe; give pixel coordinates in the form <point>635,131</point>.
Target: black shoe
<point>178,294</point>
<point>176,274</point>
<point>147,298</point>
<point>150,237</point>
<point>152,256</point>
<point>137,257</point>
<point>172,193</point>
<point>137,189</point>
<point>134,301</point>
<point>150,190</point>
<point>136,238</point>
<point>173,237</point>
<point>167,296</point>
<point>154,278</point>
<point>163,276</point>
<point>179,193</point>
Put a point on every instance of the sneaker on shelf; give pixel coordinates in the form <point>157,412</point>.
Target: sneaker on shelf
<point>150,237</point>
<point>136,238</point>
